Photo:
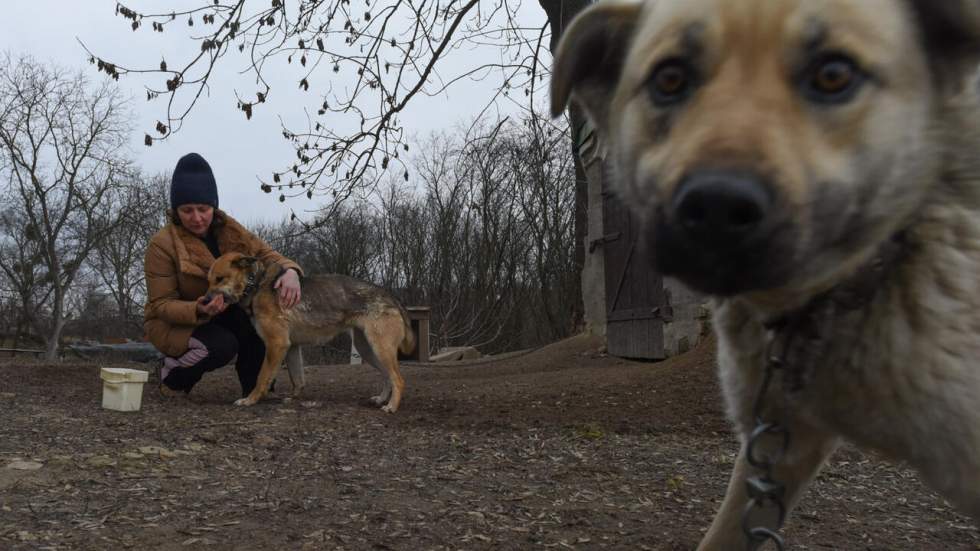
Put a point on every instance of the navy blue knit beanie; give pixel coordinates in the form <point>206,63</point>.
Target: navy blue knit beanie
<point>193,182</point>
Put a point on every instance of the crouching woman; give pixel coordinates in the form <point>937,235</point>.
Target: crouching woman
<point>197,336</point>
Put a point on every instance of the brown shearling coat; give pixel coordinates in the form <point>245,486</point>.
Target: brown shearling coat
<point>176,266</point>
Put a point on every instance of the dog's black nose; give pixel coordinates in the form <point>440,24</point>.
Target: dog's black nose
<point>718,208</point>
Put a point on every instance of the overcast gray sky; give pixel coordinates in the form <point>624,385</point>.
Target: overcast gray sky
<point>237,149</point>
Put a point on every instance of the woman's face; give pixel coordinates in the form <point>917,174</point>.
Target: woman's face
<point>196,217</point>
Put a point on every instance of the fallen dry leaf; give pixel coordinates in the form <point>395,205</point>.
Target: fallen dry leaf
<point>20,465</point>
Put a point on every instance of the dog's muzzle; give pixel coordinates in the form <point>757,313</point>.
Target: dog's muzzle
<point>718,232</point>
<point>229,298</point>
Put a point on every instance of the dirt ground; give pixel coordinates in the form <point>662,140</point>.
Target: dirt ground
<point>561,448</point>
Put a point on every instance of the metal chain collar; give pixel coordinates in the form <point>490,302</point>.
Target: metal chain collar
<point>765,492</point>
<point>249,284</point>
<point>812,327</point>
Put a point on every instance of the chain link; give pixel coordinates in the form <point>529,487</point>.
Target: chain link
<point>764,491</point>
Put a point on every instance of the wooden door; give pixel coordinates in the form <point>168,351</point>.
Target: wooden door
<point>635,309</point>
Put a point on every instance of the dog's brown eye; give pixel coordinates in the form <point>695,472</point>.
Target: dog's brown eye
<point>671,82</point>
<point>834,76</point>
<point>833,79</point>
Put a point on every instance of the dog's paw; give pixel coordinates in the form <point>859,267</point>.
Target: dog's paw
<point>244,402</point>
<point>388,409</point>
<point>377,400</point>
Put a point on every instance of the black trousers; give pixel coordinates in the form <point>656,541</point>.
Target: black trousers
<point>230,333</point>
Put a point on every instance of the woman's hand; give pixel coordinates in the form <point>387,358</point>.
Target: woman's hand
<point>213,307</point>
<point>289,292</point>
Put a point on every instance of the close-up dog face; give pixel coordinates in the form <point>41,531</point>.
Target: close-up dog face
<point>766,144</point>
<point>229,276</point>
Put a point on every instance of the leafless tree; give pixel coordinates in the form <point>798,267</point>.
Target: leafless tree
<point>141,203</point>
<point>492,260</point>
<point>493,239</point>
<point>404,230</point>
<point>541,162</point>
<point>343,243</point>
<point>59,153</point>
<point>20,261</point>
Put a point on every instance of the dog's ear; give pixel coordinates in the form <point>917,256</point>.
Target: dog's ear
<point>591,56</point>
<point>245,262</point>
<point>951,37</point>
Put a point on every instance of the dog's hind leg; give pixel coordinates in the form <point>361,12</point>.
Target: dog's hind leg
<point>384,338</point>
<point>366,351</point>
<point>808,451</point>
<point>378,345</point>
<point>297,375</point>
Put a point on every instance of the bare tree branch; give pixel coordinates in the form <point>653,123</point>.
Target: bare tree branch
<point>368,66</point>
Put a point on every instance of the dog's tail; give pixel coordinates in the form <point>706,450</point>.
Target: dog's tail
<point>407,346</point>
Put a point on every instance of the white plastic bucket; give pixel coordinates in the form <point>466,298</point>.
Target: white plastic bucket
<point>122,389</point>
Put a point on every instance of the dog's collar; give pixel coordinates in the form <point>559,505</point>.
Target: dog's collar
<point>798,342</point>
<point>250,284</point>
<point>252,281</point>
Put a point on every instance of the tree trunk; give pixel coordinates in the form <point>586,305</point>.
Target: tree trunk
<point>57,326</point>
<point>560,13</point>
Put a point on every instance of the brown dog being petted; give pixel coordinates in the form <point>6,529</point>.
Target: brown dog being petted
<point>331,304</point>
<point>813,166</point>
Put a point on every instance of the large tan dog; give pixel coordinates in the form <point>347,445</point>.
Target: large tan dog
<point>813,165</point>
<point>331,304</point>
